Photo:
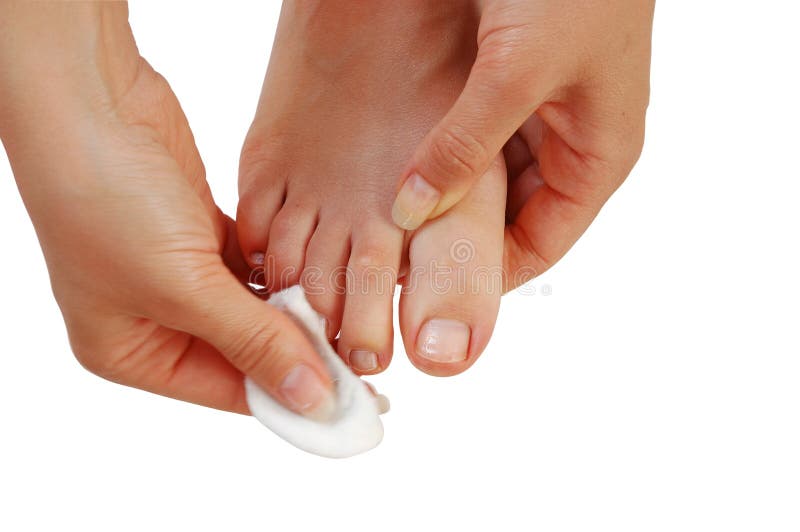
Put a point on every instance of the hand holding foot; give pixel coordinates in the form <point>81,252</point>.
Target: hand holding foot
<point>583,68</point>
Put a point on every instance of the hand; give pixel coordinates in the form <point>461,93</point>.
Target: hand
<point>564,86</point>
<point>135,245</point>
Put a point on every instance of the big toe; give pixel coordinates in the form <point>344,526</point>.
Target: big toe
<point>451,293</point>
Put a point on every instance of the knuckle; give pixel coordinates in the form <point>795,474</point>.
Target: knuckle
<point>369,256</point>
<point>456,153</point>
<point>283,225</point>
<point>508,61</point>
<point>261,154</point>
<point>372,271</point>
<point>93,351</point>
<point>249,202</point>
<point>282,267</point>
<point>106,367</point>
<point>87,359</point>
<point>183,291</point>
<point>257,352</point>
<point>187,284</point>
<point>496,64</point>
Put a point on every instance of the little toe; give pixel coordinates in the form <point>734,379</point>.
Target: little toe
<point>254,214</point>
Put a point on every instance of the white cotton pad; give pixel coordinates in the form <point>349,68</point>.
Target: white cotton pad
<point>355,426</point>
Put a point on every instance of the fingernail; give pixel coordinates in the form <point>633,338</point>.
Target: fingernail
<point>443,341</point>
<point>363,361</point>
<point>415,201</point>
<point>257,259</point>
<point>304,392</point>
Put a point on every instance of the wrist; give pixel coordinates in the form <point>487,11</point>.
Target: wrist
<point>60,61</point>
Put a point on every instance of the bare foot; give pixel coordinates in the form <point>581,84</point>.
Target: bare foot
<point>351,88</point>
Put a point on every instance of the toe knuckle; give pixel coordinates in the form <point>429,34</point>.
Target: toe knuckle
<point>261,155</point>
<point>282,267</point>
<point>372,271</point>
<point>282,226</point>
<point>249,202</point>
<point>369,256</point>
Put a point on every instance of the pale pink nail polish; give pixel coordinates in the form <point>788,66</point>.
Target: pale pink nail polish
<point>443,341</point>
<point>363,361</point>
<point>304,392</point>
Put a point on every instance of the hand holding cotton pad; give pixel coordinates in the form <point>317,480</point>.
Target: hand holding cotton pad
<point>355,426</point>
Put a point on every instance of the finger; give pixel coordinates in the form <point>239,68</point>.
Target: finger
<point>557,211</point>
<point>498,97</point>
<point>257,339</point>
<point>517,155</point>
<point>520,189</point>
<point>200,375</point>
<point>583,156</point>
<point>162,361</point>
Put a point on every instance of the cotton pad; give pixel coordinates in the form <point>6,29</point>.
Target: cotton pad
<point>355,426</point>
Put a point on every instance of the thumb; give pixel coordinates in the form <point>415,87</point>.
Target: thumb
<point>262,342</point>
<point>497,99</point>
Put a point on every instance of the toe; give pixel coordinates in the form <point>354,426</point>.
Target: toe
<point>254,214</point>
<point>366,338</point>
<point>324,273</point>
<point>451,294</point>
<point>288,239</point>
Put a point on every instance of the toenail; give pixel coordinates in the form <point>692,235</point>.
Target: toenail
<point>443,341</point>
<point>363,360</point>
<point>257,259</point>
<point>304,392</point>
<point>415,201</point>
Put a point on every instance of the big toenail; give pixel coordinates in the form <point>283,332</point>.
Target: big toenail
<point>443,341</point>
<point>363,361</point>
<point>415,201</point>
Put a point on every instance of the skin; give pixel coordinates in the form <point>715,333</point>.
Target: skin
<point>561,87</point>
<point>141,260</point>
<point>140,257</point>
<point>340,112</point>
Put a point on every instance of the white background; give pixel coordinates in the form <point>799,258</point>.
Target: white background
<point>656,388</point>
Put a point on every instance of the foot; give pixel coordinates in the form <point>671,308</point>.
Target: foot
<point>350,91</point>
